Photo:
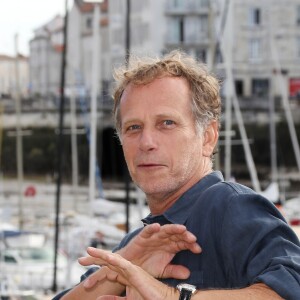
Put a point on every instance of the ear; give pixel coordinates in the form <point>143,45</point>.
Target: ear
<point>210,139</point>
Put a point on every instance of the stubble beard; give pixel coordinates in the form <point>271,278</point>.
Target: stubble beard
<point>159,189</point>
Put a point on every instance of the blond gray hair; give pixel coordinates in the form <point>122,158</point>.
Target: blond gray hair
<point>204,87</point>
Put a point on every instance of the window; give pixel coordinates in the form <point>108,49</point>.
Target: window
<point>201,55</point>
<point>176,30</point>
<point>195,29</point>
<point>89,23</point>
<point>105,91</point>
<point>298,15</point>
<point>260,87</point>
<point>239,87</point>
<point>255,49</point>
<point>178,3</point>
<point>9,259</point>
<point>218,55</point>
<point>254,16</point>
<point>181,29</point>
<point>197,4</point>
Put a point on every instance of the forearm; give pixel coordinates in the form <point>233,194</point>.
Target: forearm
<point>103,287</point>
<point>255,292</point>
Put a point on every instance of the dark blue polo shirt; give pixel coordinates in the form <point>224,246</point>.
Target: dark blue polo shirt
<point>244,239</point>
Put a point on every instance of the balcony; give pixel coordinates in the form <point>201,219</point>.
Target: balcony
<point>195,40</point>
<point>191,7</point>
<point>255,103</point>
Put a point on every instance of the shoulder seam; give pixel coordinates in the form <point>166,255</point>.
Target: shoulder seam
<point>237,188</point>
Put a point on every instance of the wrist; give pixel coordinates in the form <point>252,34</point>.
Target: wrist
<point>186,291</point>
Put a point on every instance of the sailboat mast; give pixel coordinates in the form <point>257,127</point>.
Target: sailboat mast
<point>226,50</point>
<point>19,136</point>
<point>284,93</point>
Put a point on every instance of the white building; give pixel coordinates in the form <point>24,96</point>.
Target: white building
<point>45,59</point>
<point>266,41</point>
<point>160,26</point>
<point>8,75</point>
<point>155,27</point>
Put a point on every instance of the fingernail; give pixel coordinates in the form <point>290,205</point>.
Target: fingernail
<point>86,283</point>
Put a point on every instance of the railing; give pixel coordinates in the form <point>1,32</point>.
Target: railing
<point>187,6</point>
<point>257,103</point>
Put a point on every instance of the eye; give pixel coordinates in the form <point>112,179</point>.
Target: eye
<point>133,127</point>
<point>168,122</point>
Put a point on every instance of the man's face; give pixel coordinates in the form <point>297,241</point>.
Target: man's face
<point>160,143</point>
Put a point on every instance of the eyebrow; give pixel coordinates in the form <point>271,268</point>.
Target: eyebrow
<point>158,116</point>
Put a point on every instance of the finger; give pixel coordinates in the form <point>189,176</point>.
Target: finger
<point>106,258</point>
<point>95,252</point>
<point>176,233</point>
<point>149,230</point>
<point>172,230</point>
<point>180,233</point>
<point>164,231</point>
<point>97,257</point>
<point>176,271</point>
<point>123,270</point>
<point>193,247</point>
<point>88,261</point>
<point>116,260</point>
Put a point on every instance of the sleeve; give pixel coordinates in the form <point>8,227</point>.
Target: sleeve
<point>127,239</point>
<point>259,245</point>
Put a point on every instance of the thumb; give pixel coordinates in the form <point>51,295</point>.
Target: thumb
<point>176,272</point>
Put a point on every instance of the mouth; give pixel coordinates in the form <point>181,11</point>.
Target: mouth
<point>150,165</point>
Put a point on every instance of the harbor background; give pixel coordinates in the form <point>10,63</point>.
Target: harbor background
<point>62,171</point>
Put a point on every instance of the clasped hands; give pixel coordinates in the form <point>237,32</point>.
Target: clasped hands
<point>146,257</point>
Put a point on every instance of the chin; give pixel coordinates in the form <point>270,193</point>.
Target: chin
<point>156,187</point>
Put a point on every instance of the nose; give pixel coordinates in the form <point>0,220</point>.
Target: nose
<point>147,141</point>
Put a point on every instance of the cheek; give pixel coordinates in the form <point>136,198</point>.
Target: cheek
<point>128,151</point>
<point>190,152</point>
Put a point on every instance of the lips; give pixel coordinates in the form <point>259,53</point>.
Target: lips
<point>149,165</point>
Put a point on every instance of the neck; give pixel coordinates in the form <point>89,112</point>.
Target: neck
<point>161,202</point>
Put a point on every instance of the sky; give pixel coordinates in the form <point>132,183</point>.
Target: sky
<point>22,17</point>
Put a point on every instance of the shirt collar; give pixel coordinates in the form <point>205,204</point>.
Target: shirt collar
<point>178,213</point>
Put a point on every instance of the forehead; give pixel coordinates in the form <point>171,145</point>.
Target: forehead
<point>162,93</point>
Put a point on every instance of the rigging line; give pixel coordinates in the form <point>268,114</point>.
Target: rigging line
<point>284,95</point>
<point>84,110</point>
<point>226,50</point>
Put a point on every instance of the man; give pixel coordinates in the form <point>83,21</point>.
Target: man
<point>167,115</point>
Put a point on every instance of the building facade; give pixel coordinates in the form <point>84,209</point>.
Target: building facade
<point>8,76</point>
<point>266,37</point>
<point>45,60</point>
<point>176,24</point>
